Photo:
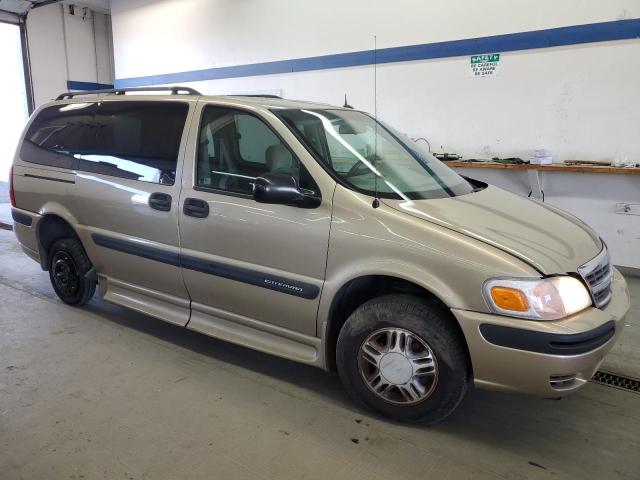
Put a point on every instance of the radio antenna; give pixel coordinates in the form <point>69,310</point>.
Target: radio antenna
<point>376,202</point>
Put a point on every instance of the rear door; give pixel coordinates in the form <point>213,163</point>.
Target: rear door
<point>127,194</point>
<point>245,262</point>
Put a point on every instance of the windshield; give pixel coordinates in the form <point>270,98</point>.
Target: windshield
<point>368,155</point>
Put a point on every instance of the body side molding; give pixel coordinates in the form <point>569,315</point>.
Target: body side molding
<point>218,269</point>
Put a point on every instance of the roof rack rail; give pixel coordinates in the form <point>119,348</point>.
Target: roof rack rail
<point>254,95</point>
<point>122,91</point>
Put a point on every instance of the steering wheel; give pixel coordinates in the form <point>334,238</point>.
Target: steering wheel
<point>355,169</point>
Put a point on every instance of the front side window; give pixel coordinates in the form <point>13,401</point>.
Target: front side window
<point>235,147</point>
<point>127,139</point>
<point>370,157</point>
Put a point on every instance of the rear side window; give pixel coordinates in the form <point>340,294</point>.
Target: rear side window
<point>135,140</point>
<point>58,133</point>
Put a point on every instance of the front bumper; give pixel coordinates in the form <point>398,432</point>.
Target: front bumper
<point>549,359</point>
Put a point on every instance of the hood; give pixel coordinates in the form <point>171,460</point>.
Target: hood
<point>547,238</point>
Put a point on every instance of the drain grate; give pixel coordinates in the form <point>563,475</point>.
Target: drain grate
<point>617,381</point>
<point>5,226</point>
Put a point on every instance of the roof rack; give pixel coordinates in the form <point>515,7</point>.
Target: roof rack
<point>253,95</point>
<point>122,91</point>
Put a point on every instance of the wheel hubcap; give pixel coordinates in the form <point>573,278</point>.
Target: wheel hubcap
<point>398,366</point>
<point>65,274</point>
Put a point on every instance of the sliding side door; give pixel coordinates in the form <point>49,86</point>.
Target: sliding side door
<point>128,189</point>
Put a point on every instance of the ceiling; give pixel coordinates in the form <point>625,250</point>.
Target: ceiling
<point>21,7</point>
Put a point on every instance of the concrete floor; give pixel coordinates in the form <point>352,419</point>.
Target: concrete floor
<point>103,392</point>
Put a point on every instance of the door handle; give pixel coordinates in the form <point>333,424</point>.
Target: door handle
<point>160,201</point>
<point>194,207</point>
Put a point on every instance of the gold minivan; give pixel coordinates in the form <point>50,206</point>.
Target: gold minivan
<point>318,234</point>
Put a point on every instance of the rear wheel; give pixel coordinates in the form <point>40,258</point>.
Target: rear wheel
<point>68,268</point>
<point>400,356</point>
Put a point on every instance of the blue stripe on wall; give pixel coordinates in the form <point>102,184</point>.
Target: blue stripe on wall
<point>553,37</point>
<point>74,85</point>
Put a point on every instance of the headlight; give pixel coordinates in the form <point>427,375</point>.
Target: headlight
<point>537,298</point>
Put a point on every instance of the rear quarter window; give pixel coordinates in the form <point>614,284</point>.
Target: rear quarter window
<point>57,132</point>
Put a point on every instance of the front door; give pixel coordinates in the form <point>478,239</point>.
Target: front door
<point>245,262</point>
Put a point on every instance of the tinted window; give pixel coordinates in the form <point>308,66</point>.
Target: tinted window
<point>136,140</point>
<point>236,147</point>
<point>57,133</point>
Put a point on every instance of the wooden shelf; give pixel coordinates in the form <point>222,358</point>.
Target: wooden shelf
<point>549,168</point>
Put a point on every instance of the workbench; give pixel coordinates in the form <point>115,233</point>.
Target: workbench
<point>532,171</point>
<point>558,167</point>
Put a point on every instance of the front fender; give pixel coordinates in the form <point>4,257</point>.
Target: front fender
<point>387,268</point>
<point>382,241</point>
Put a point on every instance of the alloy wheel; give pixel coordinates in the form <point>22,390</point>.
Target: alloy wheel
<point>398,366</point>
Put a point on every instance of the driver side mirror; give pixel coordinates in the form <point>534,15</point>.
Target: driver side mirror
<point>282,188</point>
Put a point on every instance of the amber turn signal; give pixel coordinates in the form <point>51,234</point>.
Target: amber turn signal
<point>509,299</point>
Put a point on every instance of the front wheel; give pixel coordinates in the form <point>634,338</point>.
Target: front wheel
<point>401,357</point>
<point>68,267</point>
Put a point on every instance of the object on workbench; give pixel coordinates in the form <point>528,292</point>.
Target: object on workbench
<point>541,157</point>
<point>417,139</point>
<point>506,161</point>
<point>448,157</point>
<point>598,163</point>
<point>509,160</point>
<point>624,162</point>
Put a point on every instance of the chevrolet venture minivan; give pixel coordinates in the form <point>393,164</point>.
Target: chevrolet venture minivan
<point>318,234</point>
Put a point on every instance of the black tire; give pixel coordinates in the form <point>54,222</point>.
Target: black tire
<point>429,322</point>
<point>68,267</point>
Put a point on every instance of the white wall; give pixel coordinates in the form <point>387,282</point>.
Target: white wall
<point>581,102</point>
<point>66,47</point>
<point>47,53</point>
<point>558,98</point>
